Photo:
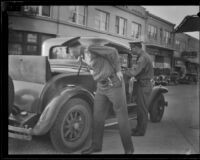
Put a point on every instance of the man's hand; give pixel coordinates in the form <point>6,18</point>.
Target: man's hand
<point>120,75</point>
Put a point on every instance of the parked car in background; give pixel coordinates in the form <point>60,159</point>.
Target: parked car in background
<point>174,76</point>
<point>54,94</point>
<point>161,80</point>
<point>189,78</point>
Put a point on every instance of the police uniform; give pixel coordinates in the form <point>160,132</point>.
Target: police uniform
<point>143,72</point>
<point>110,92</point>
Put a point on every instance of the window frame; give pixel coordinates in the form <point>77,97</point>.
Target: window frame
<point>117,26</point>
<point>106,22</point>
<point>152,31</point>
<point>77,16</point>
<point>139,29</point>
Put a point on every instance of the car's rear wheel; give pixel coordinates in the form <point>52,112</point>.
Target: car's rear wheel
<point>72,126</point>
<point>157,109</point>
<point>11,94</point>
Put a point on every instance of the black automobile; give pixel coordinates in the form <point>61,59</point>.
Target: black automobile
<point>54,94</point>
<point>189,78</point>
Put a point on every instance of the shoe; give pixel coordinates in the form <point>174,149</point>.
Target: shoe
<point>129,152</point>
<point>136,132</point>
<point>90,150</point>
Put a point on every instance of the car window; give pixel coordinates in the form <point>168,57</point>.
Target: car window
<point>60,52</point>
<point>123,60</point>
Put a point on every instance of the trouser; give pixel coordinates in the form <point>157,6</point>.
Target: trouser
<point>143,92</point>
<point>103,100</point>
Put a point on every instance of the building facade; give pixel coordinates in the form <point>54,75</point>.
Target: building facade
<point>159,42</point>
<point>32,25</point>
<point>186,55</point>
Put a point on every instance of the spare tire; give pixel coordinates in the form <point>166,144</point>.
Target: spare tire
<point>11,94</point>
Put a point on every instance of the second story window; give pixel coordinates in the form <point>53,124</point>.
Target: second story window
<point>101,20</point>
<point>167,37</point>
<point>43,11</point>
<point>152,32</point>
<point>135,30</point>
<point>121,26</point>
<point>177,45</point>
<point>78,14</point>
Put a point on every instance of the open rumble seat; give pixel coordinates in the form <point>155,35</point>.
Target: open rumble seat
<point>30,74</point>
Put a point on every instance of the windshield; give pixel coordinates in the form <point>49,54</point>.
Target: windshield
<point>60,52</point>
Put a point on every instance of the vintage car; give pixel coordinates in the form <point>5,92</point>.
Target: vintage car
<point>54,94</point>
<point>188,78</point>
<point>161,80</point>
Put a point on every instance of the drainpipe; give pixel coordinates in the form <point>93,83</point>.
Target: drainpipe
<point>58,16</point>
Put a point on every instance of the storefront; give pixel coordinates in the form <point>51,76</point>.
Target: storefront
<point>162,59</point>
<point>26,43</point>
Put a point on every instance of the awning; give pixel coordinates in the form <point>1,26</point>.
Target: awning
<point>189,24</point>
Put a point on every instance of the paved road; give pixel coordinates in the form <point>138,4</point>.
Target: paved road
<point>177,133</point>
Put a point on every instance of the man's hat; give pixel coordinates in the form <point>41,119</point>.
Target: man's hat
<point>138,44</point>
<point>72,42</point>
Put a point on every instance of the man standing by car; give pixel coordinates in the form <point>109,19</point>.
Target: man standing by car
<point>143,73</point>
<point>104,62</point>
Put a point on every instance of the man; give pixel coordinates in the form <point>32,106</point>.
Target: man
<point>110,92</point>
<point>143,73</point>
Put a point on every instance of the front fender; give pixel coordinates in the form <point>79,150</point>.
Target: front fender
<point>155,92</point>
<point>51,111</point>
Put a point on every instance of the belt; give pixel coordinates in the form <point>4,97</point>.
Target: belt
<point>107,79</point>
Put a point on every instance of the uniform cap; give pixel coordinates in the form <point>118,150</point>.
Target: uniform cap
<point>72,42</point>
<point>138,43</point>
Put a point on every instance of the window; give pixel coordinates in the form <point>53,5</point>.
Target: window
<point>167,37</point>
<point>32,38</point>
<point>101,20</point>
<point>78,14</point>
<point>26,43</point>
<point>15,36</point>
<point>152,32</point>
<point>161,34</point>
<point>135,30</point>
<point>177,45</point>
<point>15,49</point>
<point>38,10</point>
<point>121,26</point>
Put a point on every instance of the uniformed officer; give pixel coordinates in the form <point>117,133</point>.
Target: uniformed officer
<point>110,92</point>
<point>143,73</point>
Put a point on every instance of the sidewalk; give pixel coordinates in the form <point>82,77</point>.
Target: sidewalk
<point>161,138</point>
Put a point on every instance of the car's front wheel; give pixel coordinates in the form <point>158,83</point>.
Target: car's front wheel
<point>157,108</point>
<point>72,126</point>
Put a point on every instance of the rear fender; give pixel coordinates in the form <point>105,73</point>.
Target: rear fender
<point>51,111</point>
<point>156,91</point>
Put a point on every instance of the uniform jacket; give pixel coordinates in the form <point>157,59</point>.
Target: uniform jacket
<point>143,69</point>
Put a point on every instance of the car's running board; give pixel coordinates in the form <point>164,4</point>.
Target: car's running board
<point>113,121</point>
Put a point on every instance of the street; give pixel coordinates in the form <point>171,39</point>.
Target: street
<point>177,133</point>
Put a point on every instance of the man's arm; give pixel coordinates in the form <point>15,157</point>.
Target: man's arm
<point>109,53</point>
<point>139,67</point>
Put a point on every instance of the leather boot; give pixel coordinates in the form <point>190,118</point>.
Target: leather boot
<point>130,151</point>
<point>137,132</point>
